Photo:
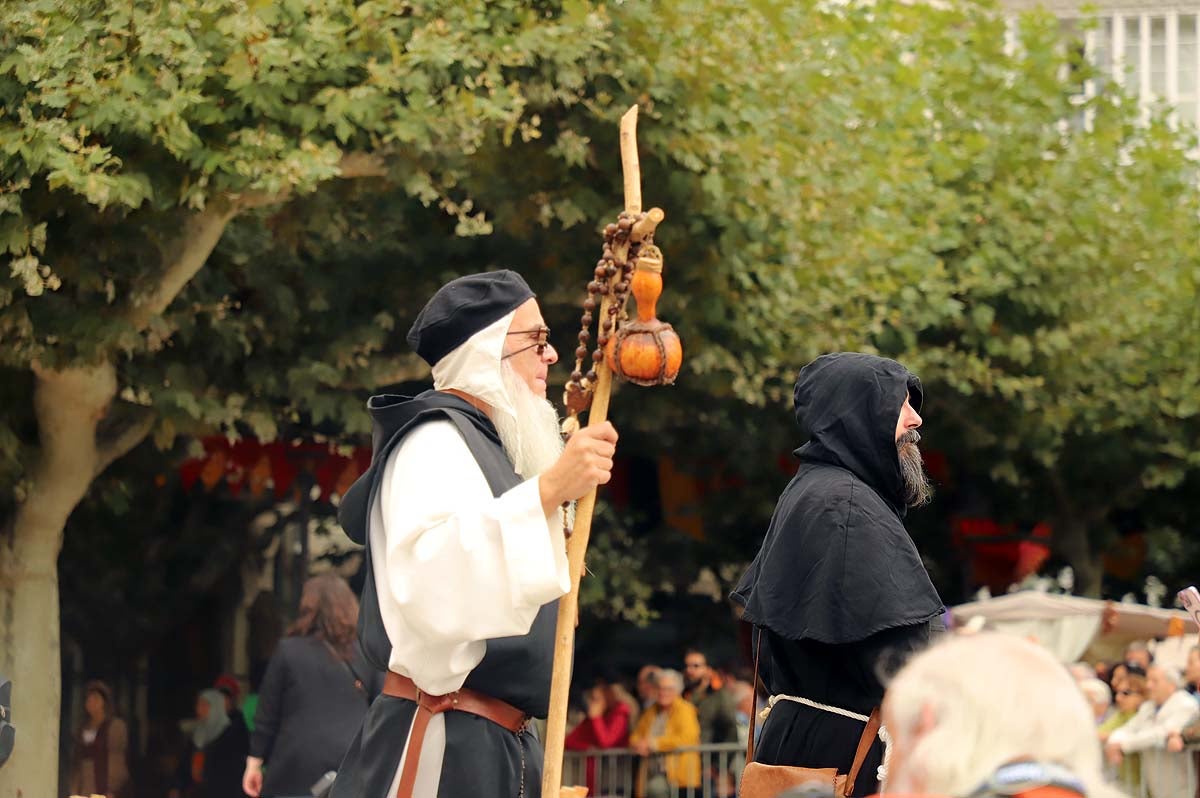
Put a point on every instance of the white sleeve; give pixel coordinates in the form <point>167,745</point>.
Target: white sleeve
<point>1138,733</point>
<point>1176,713</point>
<point>454,565</point>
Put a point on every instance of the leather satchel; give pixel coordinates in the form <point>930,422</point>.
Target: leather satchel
<point>769,781</point>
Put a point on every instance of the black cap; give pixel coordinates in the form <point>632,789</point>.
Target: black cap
<point>462,308</point>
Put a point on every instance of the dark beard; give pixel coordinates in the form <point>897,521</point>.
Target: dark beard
<point>917,489</point>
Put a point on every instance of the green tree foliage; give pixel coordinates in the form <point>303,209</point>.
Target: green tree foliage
<point>132,138</point>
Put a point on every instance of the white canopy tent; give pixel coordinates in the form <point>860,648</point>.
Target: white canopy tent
<point>1070,625</point>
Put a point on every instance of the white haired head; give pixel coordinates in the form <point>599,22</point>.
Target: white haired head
<point>1098,695</point>
<point>1162,681</point>
<point>961,709</point>
<point>670,687</point>
<point>1170,673</point>
<point>667,676</point>
<point>1082,671</point>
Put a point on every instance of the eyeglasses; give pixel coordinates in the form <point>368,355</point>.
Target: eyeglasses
<point>541,336</point>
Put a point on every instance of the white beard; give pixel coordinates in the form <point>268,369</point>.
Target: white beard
<point>532,440</point>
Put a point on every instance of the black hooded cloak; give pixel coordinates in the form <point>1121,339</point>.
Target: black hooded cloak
<point>838,590</point>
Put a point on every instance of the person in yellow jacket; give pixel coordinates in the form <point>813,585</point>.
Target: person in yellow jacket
<point>669,724</point>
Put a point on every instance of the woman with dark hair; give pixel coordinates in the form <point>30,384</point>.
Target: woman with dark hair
<point>1129,693</point>
<point>98,764</point>
<point>313,697</point>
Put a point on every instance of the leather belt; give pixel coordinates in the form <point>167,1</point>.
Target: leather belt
<point>464,700</point>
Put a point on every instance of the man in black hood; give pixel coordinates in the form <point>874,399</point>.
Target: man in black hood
<point>461,513</point>
<point>838,594</point>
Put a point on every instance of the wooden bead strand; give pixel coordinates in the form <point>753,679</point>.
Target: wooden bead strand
<point>610,277</point>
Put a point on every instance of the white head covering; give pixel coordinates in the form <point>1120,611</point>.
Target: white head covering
<point>215,724</point>
<point>474,367</point>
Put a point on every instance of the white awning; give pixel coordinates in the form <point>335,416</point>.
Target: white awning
<point>1070,625</point>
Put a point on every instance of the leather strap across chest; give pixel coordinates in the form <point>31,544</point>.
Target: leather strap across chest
<point>464,700</point>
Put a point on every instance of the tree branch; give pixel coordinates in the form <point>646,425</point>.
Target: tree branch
<point>186,253</point>
<point>117,444</point>
<point>183,256</point>
<point>362,164</point>
<point>352,165</point>
<point>403,368</point>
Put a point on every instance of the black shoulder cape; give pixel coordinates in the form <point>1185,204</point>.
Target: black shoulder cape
<point>837,565</point>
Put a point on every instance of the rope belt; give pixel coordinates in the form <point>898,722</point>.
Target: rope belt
<point>885,738</point>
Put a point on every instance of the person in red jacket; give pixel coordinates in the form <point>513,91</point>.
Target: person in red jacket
<point>610,710</point>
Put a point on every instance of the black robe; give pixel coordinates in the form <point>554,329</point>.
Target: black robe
<point>838,587</point>
<point>482,759</point>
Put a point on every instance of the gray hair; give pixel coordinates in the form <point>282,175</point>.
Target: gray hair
<point>1096,691</point>
<point>1169,673</point>
<point>673,675</point>
<point>1081,671</point>
<point>966,686</point>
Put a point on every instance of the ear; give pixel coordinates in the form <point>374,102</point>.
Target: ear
<point>926,721</point>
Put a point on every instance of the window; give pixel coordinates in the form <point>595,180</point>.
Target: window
<point>1158,56</point>
<point>1133,53</point>
<point>1189,68</point>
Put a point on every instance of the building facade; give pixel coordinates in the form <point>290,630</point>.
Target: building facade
<point>1152,48</point>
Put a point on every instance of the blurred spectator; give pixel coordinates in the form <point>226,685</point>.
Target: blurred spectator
<point>954,721</point>
<point>1104,672</point>
<point>607,725</point>
<point>715,709</point>
<point>647,685</point>
<point>1170,709</point>
<point>1129,694</point>
<point>218,752</point>
<point>1117,673</point>
<point>743,698</point>
<point>1081,671</point>
<point>1099,697</point>
<point>1191,673</point>
<point>714,705</point>
<point>314,695</point>
<point>1138,653</point>
<point>228,685</point>
<point>669,724</point>
<point>98,746</point>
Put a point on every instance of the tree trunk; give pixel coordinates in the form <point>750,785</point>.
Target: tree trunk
<point>1072,540</point>
<point>1072,537</point>
<point>69,405</point>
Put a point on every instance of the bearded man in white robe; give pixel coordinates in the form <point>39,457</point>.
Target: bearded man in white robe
<point>462,514</point>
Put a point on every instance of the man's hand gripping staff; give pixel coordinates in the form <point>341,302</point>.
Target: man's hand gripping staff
<point>586,462</point>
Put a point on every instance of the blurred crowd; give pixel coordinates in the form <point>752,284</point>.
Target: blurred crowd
<point>1146,713</point>
<point>283,738</point>
<point>673,710</point>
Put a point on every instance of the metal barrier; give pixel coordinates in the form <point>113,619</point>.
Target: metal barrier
<point>1162,774</point>
<point>613,772</point>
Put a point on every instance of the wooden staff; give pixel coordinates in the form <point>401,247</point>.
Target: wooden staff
<point>568,606</point>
